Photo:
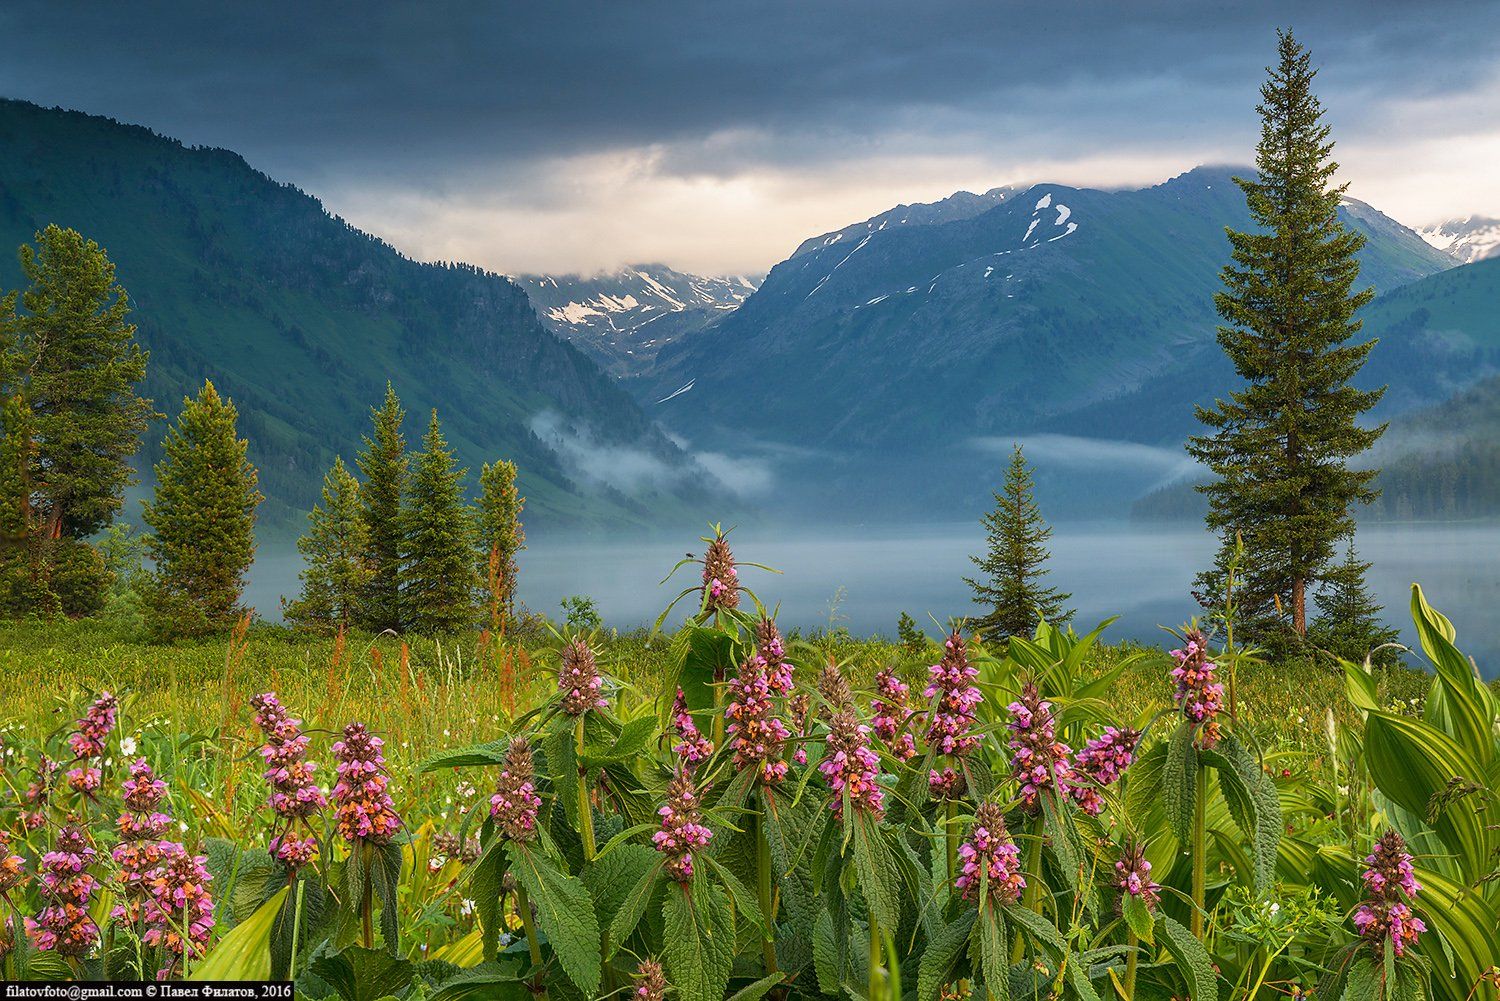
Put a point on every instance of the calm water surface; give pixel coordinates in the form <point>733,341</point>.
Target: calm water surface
<point>864,578</point>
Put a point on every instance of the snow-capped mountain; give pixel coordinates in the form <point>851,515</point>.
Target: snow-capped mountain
<point>1472,239</point>
<point>624,317</point>
<point>960,205</point>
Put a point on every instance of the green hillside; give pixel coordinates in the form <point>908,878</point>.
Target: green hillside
<point>301,318</point>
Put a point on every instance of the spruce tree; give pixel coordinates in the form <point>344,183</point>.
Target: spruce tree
<point>440,578</point>
<point>333,549</point>
<point>1012,592</point>
<point>202,519</point>
<point>81,364</point>
<point>1348,623</point>
<point>1278,447</point>
<point>383,464</point>
<point>501,537</point>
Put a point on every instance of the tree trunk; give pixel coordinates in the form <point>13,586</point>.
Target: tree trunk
<point>1299,606</point>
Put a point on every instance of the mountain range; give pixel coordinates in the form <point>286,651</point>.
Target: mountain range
<point>622,319</point>
<point>1470,239</point>
<point>301,319</point>
<point>1077,318</point>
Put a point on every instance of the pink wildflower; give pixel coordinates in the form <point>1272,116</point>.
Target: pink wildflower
<point>1039,760</point>
<point>1199,695</point>
<point>365,809</point>
<point>1391,886</point>
<point>891,714</point>
<point>579,680</point>
<point>990,856</point>
<point>682,830</point>
<point>515,803</point>
<point>692,747</point>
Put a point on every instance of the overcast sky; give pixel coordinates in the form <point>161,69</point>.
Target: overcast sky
<point>549,135</point>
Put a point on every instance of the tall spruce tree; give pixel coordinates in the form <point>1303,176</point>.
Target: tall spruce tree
<point>384,465</point>
<point>202,519</point>
<point>501,537</point>
<point>1278,447</point>
<point>1012,592</point>
<point>333,549</point>
<point>440,579</point>
<point>72,421</point>
<point>1348,623</point>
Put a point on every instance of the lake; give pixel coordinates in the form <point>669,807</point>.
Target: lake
<point>864,578</point>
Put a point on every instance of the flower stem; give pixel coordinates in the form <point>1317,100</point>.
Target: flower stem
<point>528,925</point>
<point>585,806</point>
<point>367,906</point>
<point>1131,958</point>
<point>1031,898</point>
<point>876,981</point>
<point>951,813</point>
<point>1200,860</point>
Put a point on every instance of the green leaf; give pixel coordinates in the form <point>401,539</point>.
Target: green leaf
<point>1253,804</point>
<point>989,954</point>
<point>943,949</point>
<point>1138,916</point>
<point>632,740</point>
<point>698,942</point>
<point>759,989</point>
<point>491,752</point>
<point>385,877</point>
<point>1193,961</point>
<point>245,953</point>
<point>489,981</point>
<point>632,907</point>
<point>1179,782</point>
<point>878,876</point>
<point>1364,981</point>
<point>1461,705</point>
<point>565,912</point>
<point>486,882</point>
<point>745,900</point>
<point>358,973</point>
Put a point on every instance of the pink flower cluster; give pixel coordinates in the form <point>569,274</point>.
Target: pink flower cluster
<point>770,648</point>
<point>64,924</point>
<point>891,714</point>
<point>179,908</point>
<point>798,710</point>
<point>682,829</point>
<point>515,803</point>
<point>950,724</point>
<point>12,867</point>
<point>1133,875</point>
<point>849,766</point>
<point>365,809</point>
<point>579,681</point>
<point>755,733</point>
<point>721,581</point>
<point>990,857</point>
<point>650,981</point>
<point>1039,760</point>
<point>1101,763</point>
<point>295,795</point>
<point>89,741</point>
<point>1199,695</point>
<point>1391,887</point>
<point>140,850</point>
<point>692,747</point>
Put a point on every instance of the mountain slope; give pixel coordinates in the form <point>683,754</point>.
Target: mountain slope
<point>622,319</point>
<point>1059,310</point>
<point>1471,239</point>
<point>301,319</point>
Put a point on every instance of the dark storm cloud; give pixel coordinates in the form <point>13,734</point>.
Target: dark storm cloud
<point>453,98</point>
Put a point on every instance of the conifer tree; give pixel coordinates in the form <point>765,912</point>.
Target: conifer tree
<point>1348,623</point>
<point>384,464</point>
<point>202,519</point>
<point>333,549</point>
<point>501,537</point>
<point>81,364</point>
<point>440,578</point>
<point>1278,447</point>
<point>1012,592</point>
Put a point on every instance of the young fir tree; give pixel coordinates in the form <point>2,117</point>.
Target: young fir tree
<point>1279,446</point>
<point>202,519</point>
<point>1348,623</point>
<point>501,537</point>
<point>333,550</point>
<point>440,578</point>
<point>383,463</point>
<point>1015,562</point>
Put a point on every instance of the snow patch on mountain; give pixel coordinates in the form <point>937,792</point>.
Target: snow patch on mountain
<point>1471,239</point>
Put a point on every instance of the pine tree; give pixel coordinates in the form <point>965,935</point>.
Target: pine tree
<point>81,365</point>
<point>384,464</point>
<point>202,519</point>
<point>501,537</point>
<point>1348,623</point>
<point>440,578</point>
<point>1015,562</point>
<point>1278,447</point>
<point>333,549</point>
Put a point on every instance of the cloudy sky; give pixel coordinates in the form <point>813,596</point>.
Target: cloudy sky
<point>569,136</point>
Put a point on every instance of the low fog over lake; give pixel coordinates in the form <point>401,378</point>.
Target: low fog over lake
<point>862,579</point>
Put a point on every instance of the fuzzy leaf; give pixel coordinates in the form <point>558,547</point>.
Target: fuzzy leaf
<point>565,912</point>
<point>942,952</point>
<point>1179,782</point>
<point>1193,961</point>
<point>699,940</point>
